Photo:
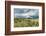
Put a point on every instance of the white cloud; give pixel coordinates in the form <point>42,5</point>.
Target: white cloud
<point>27,13</point>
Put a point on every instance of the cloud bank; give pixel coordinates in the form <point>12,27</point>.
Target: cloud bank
<point>25,13</point>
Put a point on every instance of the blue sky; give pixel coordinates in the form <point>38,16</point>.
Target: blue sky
<point>25,12</point>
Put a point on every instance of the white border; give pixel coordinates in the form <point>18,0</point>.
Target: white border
<point>26,28</point>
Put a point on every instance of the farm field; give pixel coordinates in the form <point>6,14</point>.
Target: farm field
<point>26,22</point>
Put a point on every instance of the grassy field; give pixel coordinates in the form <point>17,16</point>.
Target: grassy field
<point>25,22</point>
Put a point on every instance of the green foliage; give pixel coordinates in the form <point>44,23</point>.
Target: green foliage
<point>25,22</point>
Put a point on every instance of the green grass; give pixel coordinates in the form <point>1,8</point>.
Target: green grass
<point>25,22</point>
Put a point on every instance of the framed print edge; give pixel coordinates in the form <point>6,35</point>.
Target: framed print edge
<point>8,17</point>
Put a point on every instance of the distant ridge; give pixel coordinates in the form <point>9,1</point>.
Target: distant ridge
<point>27,17</point>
